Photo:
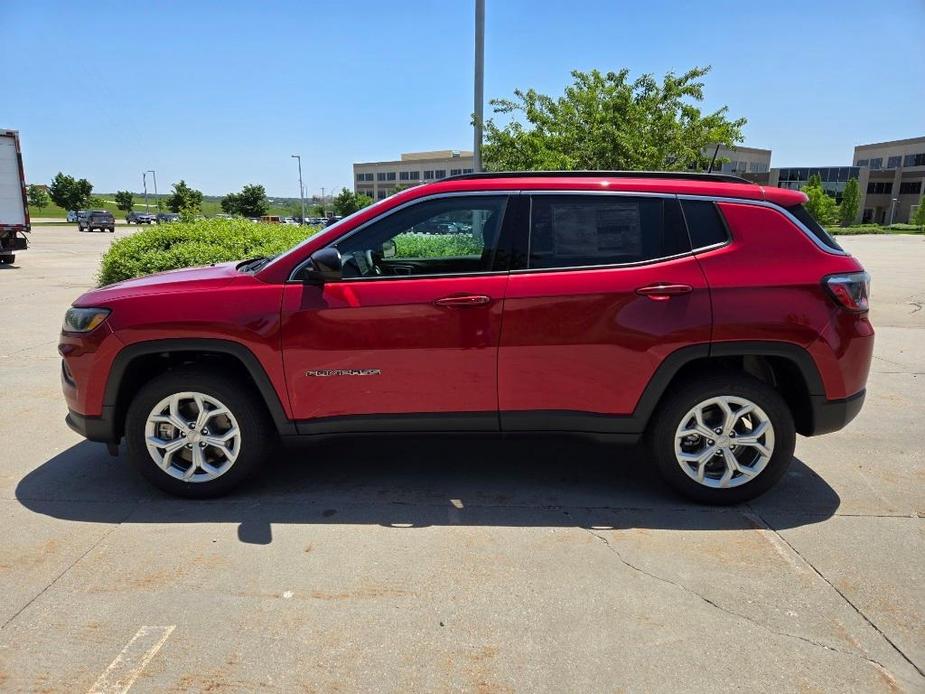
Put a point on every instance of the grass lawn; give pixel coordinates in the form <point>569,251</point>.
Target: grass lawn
<point>210,208</point>
<point>875,229</point>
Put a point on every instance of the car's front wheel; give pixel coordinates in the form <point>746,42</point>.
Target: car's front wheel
<point>723,438</point>
<point>196,434</point>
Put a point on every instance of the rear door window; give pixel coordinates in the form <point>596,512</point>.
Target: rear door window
<point>593,230</point>
<point>704,223</point>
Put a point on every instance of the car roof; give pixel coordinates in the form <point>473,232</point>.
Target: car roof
<point>669,182</point>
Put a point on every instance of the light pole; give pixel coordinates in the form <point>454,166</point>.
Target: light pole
<point>893,209</point>
<point>479,84</point>
<point>144,182</point>
<point>301,188</point>
<point>154,175</point>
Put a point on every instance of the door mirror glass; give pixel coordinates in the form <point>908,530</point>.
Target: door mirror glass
<point>325,265</point>
<point>388,249</point>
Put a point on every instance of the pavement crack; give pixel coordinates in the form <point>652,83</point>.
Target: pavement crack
<point>738,615</point>
<point>70,566</point>
<point>841,594</point>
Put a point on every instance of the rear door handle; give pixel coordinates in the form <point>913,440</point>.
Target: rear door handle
<point>463,301</point>
<point>662,292</point>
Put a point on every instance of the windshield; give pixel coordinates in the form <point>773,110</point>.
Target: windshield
<point>332,230</point>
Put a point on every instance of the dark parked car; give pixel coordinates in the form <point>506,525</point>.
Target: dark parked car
<point>140,218</point>
<point>167,217</point>
<point>96,219</point>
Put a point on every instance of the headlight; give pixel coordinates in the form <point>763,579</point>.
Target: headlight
<point>83,320</point>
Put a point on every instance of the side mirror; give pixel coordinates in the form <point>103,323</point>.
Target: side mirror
<point>388,249</point>
<point>325,265</point>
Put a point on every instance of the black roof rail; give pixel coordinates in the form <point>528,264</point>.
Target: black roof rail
<point>681,175</point>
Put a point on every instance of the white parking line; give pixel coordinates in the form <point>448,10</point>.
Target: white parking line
<point>124,670</point>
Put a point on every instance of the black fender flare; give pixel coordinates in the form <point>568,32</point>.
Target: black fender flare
<point>675,361</point>
<point>252,365</point>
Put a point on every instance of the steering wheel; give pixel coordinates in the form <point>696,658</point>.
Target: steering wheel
<point>360,264</point>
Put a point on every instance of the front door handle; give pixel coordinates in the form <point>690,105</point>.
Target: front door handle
<point>663,292</point>
<point>463,301</point>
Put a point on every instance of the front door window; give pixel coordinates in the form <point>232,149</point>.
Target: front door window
<point>446,236</point>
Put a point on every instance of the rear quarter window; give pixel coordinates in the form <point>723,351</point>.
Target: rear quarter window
<point>816,229</point>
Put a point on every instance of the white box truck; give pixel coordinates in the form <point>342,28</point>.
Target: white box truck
<point>14,208</point>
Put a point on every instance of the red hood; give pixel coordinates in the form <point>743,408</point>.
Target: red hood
<point>172,281</point>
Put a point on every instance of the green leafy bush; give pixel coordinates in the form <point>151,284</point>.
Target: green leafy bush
<point>191,244</point>
<point>417,245</point>
<point>203,242</point>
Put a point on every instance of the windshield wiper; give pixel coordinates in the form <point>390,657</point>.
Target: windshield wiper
<point>253,264</point>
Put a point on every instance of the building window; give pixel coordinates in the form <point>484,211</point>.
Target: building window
<point>380,176</point>
<point>361,177</point>
<point>414,175</point>
<point>879,187</point>
<point>876,163</point>
<point>894,162</point>
<point>467,171</point>
<point>403,176</point>
<point>390,176</point>
<point>428,175</point>
<point>381,195</point>
<point>455,172</point>
<point>863,162</point>
<point>910,187</point>
<point>440,173</point>
<point>914,160</point>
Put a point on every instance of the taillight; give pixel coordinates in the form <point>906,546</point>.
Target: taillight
<point>850,290</point>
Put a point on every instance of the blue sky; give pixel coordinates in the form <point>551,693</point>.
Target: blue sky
<point>221,93</point>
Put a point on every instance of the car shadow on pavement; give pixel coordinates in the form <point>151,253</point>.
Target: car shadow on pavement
<point>420,481</point>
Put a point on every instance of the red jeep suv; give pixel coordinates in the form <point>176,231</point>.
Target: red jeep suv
<point>712,316</point>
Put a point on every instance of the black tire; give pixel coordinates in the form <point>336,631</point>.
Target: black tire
<point>257,435</point>
<point>694,391</point>
<point>7,259</point>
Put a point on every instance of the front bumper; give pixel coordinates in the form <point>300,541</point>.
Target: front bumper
<point>100,428</point>
<point>832,415</point>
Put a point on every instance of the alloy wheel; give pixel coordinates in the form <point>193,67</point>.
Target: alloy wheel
<point>724,441</point>
<point>193,437</point>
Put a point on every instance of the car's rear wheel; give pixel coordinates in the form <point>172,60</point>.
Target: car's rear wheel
<point>196,434</point>
<point>7,259</point>
<point>723,438</point>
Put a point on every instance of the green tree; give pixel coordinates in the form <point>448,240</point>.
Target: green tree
<point>820,205</point>
<point>70,193</point>
<point>316,210</point>
<point>605,121</point>
<point>919,217</point>
<point>97,203</point>
<point>184,199</point>
<point>125,200</point>
<point>250,202</point>
<point>850,200</point>
<point>347,202</point>
<point>38,196</point>
<point>399,188</point>
<point>231,204</point>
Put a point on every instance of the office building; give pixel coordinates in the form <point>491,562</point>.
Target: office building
<point>379,179</point>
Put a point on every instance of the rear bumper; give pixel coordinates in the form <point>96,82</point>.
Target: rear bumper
<point>832,415</point>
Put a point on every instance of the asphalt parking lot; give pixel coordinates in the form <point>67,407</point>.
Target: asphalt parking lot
<point>458,564</point>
